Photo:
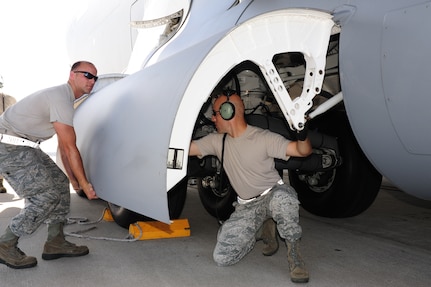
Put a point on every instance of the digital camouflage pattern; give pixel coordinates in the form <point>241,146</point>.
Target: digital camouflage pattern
<point>237,236</point>
<point>35,177</point>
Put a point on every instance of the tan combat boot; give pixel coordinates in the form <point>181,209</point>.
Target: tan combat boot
<point>269,237</point>
<point>56,246</point>
<point>298,272</point>
<point>11,255</point>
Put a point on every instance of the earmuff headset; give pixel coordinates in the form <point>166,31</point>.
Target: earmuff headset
<point>227,109</point>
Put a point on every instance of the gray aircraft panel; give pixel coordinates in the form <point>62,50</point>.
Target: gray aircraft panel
<point>128,167</point>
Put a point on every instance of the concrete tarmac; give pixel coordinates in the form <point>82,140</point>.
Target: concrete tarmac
<point>388,245</point>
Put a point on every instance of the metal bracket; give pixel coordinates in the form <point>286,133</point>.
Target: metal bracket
<point>313,44</point>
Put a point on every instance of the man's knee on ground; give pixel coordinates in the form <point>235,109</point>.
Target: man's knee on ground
<point>223,260</point>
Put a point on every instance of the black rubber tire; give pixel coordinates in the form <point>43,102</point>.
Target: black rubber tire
<point>176,200</point>
<point>216,204</point>
<point>355,182</point>
<point>122,216</point>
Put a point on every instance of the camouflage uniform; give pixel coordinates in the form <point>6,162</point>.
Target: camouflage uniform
<point>46,200</point>
<point>34,176</point>
<point>237,235</point>
<point>6,102</point>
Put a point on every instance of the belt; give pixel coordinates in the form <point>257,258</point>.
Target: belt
<point>8,139</point>
<point>266,191</point>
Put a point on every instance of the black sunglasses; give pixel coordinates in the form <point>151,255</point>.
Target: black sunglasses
<point>88,75</point>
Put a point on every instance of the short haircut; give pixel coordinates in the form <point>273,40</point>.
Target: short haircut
<point>77,64</point>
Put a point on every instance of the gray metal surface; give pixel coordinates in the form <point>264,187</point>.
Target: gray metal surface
<point>388,245</point>
<point>128,135</point>
<point>383,69</point>
<point>131,123</point>
<point>124,130</point>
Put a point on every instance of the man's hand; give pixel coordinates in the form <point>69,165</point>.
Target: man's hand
<point>75,184</point>
<point>302,134</point>
<point>90,192</point>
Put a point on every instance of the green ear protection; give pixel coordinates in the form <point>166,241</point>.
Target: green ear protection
<point>227,109</point>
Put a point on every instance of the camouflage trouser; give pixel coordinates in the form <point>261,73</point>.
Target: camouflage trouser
<point>237,236</point>
<point>35,177</point>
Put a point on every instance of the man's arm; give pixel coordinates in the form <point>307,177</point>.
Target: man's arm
<point>194,149</point>
<point>299,148</point>
<point>72,158</point>
<point>302,147</point>
<point>63,161</point>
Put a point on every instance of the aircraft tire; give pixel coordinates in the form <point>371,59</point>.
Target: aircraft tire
<point>216,204</point>
<point>347,190</point>
<point>124,217</point>
<point>176,200</point>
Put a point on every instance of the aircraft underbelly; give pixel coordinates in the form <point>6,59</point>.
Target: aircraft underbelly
<point>386,117</point>
<point>402,75</point>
